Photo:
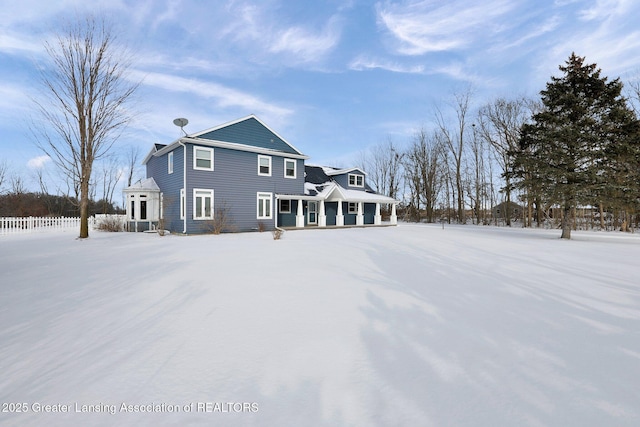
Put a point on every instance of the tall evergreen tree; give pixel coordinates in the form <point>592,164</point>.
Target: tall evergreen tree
<point>574,147</point>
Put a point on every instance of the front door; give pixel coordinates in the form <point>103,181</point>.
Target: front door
<point>312,213</point>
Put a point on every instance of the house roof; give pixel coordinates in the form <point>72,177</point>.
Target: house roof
<point>333,171</point>
<point>245,134</point>
<point>148,184</point>
<point>320,186</point>
<point>315,175</point>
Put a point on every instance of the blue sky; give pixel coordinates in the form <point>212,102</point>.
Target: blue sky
<point>331,77</point>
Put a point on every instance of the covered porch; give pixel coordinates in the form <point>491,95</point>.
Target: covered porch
<point>333,208</point>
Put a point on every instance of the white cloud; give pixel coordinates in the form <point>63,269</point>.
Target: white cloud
<point>363,62</point>
<point>225,97</point>
<point>12,42</point>
<point>432,26</point>
<point>305,44</point>
<point>266,32</point>
<point>38,162</point>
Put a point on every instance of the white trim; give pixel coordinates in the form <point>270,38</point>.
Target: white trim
<point>208,149</point>
<point>333,172</point>
<point>295,168</point>
<point>261,197</point>
<point>355,208</point>
<point>355,176</point>
<point>209,193</point>
<point>260,157</point>
<point>170,163</point>
<point>222,144</point>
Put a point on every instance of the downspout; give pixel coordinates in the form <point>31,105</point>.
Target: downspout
<point>276,208</point>
<point>184,185</point>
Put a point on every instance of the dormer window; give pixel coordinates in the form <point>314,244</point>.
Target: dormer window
<point>356,180</point>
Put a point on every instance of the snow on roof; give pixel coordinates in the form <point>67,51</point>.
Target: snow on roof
<point>328,190</point>
<point>333,171</point>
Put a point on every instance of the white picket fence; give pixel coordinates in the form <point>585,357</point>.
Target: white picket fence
<point>12,225</point>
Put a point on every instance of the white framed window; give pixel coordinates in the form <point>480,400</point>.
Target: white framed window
<point>143,206</point>
<point>264,165</point>
<point>183,202</point>
<point>170,163</point>
<point>356,180</point>
<point>264,206</point>
<point>353,208</point>
<point>290,168</point>
<point>202,203</point>
<point>285,206</point>
<point>203,158</point>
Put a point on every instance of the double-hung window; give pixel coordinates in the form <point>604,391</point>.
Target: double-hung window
<point>203,158</point>
<point>356,180</point>
<point>202,204</point>
<point>289,168</point>
<point>353,208</point>
<point>264,206</point>
<point>264,165</point>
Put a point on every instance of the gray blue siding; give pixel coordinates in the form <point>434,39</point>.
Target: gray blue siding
<point>236,183</point>
<point>343,181</point>
<point>170,185</point>
<point>250,132</point>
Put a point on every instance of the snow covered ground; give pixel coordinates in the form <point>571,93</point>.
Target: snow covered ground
<point>402,326</point>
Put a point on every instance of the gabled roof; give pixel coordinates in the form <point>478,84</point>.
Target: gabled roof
<point>148,184</point>
<point>334,171</point>
<point>246,134</point>
<point>332,191</point>
<point>248,130</point>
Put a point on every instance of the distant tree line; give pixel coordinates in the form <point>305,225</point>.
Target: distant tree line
<point>577,147</point>
<point>41,205</point>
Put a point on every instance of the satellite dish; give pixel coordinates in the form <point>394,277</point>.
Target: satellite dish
<point>181,123</point>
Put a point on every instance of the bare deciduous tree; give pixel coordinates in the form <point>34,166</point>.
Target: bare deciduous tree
<point>423,174</point>
<point>83,108</point>
<point>383,166</point>
<point>132,162</point>
<point>454,139</point>
<point>3,173</point>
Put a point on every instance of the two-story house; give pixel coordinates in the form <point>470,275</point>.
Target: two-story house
<point>246,177</point>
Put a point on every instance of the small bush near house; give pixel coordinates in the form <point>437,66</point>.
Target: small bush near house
<point>113,224</point>
<point>221,222</point>
<point>277,234</point>
<point>261,227</point>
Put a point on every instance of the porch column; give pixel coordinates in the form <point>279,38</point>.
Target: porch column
<point>322,217</point>
<point>377,219</point>
<point>339,215</point>
<point>300,215</point>
<point>359,215</point>
<point>394,217</point>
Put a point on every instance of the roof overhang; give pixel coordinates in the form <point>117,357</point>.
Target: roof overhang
<point>222,144</point>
